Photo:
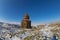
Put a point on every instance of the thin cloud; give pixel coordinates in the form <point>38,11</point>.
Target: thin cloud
<point>11,22</point>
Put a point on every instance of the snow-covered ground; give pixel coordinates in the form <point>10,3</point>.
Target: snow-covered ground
<point>10,32</point>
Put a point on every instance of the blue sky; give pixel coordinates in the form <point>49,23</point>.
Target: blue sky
<point>40,11</point>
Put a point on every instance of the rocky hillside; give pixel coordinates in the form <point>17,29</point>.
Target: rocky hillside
<point>40,32</point>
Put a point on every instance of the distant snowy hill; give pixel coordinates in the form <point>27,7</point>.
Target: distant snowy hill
<point>2,24</point>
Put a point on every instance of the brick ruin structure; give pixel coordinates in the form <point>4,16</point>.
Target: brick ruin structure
<point>26,23</point>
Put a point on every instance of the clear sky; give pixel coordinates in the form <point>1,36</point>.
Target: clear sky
<point>40,11</point>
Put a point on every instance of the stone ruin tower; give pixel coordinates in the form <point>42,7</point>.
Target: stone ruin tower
<point>26,23</point>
